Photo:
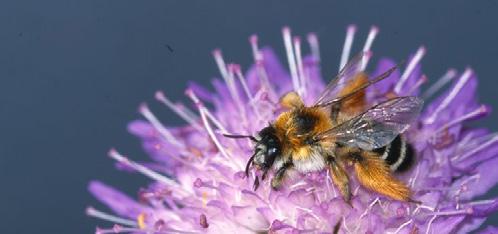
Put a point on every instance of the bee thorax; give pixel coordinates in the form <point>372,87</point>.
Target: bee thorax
<point>312,162</point>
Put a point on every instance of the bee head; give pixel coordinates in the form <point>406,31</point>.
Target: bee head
<point>266,150</point>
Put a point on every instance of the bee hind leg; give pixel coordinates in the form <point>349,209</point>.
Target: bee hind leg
<point>373,173</point>
<point>277,180</point>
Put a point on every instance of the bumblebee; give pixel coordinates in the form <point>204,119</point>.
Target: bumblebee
<point>339,131</point>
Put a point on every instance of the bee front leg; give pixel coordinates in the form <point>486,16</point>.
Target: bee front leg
<point>340,178</point>
<point>277,180</point>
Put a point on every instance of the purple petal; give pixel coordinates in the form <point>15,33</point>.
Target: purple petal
<point>486,178</point>
<point>489,230</point>
<point>142,129</point>
<point>249,217</point>
<point>117,201</point>
<point>388,83</point>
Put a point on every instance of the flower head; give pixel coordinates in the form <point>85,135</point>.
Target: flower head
<point>199,184</point>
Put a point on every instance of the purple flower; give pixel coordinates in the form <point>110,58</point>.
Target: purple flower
<point>198,176</point>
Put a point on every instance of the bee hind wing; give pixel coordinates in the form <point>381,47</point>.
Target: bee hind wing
<point>377,126</point>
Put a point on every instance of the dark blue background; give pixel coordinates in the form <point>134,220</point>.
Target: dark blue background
<point>73,73</point>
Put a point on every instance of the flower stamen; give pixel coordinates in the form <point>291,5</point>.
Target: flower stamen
<point>374,30</point>
<point>165,133</point>
<point>184,113</point>
<point>447,77</point>
<point>409,69</point>
<point>348,42</point>
<point>461,82</point>
<point>291,59</point>
<point>314,46</point>
<point>90,211</point>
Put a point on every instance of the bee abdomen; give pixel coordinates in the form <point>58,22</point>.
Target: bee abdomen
<point>399,154</point>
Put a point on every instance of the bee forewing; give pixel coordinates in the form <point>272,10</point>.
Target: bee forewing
<point>349,72</point>
<point>377,126</point>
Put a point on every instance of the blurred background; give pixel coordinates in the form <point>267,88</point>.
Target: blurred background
<point>74,72</point>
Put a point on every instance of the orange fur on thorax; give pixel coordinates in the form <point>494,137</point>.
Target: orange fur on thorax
<point>288,132</point>
<point>356,103</point>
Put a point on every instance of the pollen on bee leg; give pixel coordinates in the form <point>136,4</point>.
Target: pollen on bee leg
<point>409,69</point>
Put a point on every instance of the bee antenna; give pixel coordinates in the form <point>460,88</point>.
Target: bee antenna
<point>240,136</point>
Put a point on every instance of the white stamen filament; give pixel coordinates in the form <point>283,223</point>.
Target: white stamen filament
<point>286,32</point>
<point>482,146</point>
<point>403,226</point>
<point>145,111</point>
<point>461,82</point>
<point>184,113</point>
<point>299,62</point>
<point>238,102</point>
<point>430,224</point>
<point>242,81</point>
<point>204,110</point>
<point>409,69</point>
<point>189,113</point>
<point>253,40</point>
<point>204,116</point>
<point>417,85</point>
<point>147,230</point>
<point>146,171</point>
<point>225,74</point>
<point>453,212</point>
<point>481,202</point>
<point>447,77</point>
<point>368,44</point>
<point>263,76</point>
<point>479,111</point>
<point>90,211</point>
<point>346,49</point>
<point>315,46</point>
<point>377,200</point>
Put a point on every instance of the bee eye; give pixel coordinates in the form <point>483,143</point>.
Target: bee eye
<point>272,151</point>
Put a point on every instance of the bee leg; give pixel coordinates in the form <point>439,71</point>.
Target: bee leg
<point>373,173</point>
<point>340,178</point>
<point>276,181</point>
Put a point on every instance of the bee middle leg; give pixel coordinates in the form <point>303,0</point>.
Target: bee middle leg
<point>340,178</point>
<point>277,180</point>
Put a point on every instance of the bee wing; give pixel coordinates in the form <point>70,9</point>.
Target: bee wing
<point>347,73</point>
<point>330,95</point>
<point>377,126</point>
